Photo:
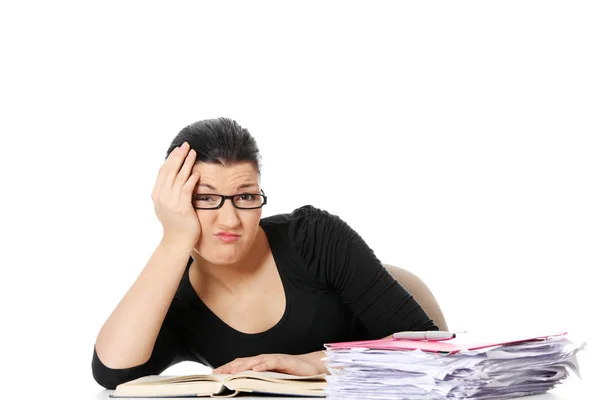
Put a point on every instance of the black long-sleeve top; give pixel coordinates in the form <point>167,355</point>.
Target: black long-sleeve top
<point>335,288</point>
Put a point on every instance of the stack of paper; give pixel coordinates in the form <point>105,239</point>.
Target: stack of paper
<point>453,369</point>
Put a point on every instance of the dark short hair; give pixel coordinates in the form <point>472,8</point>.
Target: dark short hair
<point>219,140</point>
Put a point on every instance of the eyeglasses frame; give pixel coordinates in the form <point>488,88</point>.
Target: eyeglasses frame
<point>223,198</point>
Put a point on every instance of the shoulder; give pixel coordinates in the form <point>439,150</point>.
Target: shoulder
<point>321,240</point>
<point>307,226</point>
<point>309,215</point>
<point>314,229</point>
<point>308,222</point>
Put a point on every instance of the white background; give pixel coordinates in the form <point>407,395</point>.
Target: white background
<point>460,139</point>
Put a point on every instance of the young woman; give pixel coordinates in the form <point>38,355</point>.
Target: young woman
<point>232,290</point>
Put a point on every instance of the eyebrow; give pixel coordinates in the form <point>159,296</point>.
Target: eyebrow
<point>242,186</point>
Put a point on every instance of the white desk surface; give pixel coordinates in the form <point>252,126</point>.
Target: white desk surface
<point>571,389</point>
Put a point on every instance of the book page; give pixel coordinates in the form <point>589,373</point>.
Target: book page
<point>167,379</point>
<point>277,383</point>
<point>273,376</point>
<point>291,387</point>
<point>154,389</point>
<point>207,384</point>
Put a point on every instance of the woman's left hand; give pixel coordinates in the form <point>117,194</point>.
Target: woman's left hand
<point>303,364</point>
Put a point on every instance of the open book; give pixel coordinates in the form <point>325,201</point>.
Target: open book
<point>223,385</point>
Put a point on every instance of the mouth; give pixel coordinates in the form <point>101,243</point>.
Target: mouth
<point>228,238</point>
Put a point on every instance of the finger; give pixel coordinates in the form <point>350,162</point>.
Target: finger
<point>218,370</point>
<point>184,174</point>
<point>248,363</point>
<point>227,368</point>
<point>273,364</point>
<point>244,366</point>
<point>189,186</point>
<point>263,366</point>
<point>223,369</point>
<point>162,179</point>
<point>171,167</point>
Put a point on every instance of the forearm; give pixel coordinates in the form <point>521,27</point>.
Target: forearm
<point>128,335</point>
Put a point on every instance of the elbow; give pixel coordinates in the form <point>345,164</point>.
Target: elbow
<point>104,381</point>
<point>110,378</point>
<point>102,375</point>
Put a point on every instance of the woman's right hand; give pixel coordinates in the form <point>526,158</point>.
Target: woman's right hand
<point>172,197</point>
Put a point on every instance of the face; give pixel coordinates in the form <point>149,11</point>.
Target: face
<point>226,180</point>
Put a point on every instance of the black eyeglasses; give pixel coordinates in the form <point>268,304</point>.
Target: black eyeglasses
<point>243,201</point>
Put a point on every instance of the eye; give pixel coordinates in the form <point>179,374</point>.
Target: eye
<point>206,198</point>
<point>247,196</point>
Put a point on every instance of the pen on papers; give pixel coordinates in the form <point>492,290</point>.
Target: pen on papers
<point>426,335</point>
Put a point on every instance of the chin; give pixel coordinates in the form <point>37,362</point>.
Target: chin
<point>217,256</point>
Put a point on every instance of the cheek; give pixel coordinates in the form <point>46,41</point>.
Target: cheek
<point>251,219</point>
<point>251,225</point>
<point>202,218</point>
<point>205,227</point>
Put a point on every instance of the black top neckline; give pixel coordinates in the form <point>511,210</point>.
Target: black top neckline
<point>276,257</point>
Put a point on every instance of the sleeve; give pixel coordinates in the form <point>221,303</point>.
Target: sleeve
<point>336,255</point>
<point>169,349</point>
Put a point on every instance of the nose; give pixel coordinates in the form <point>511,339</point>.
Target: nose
<point>228,214</point>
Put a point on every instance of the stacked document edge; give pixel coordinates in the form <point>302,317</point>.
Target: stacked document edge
<point>494,372</point>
